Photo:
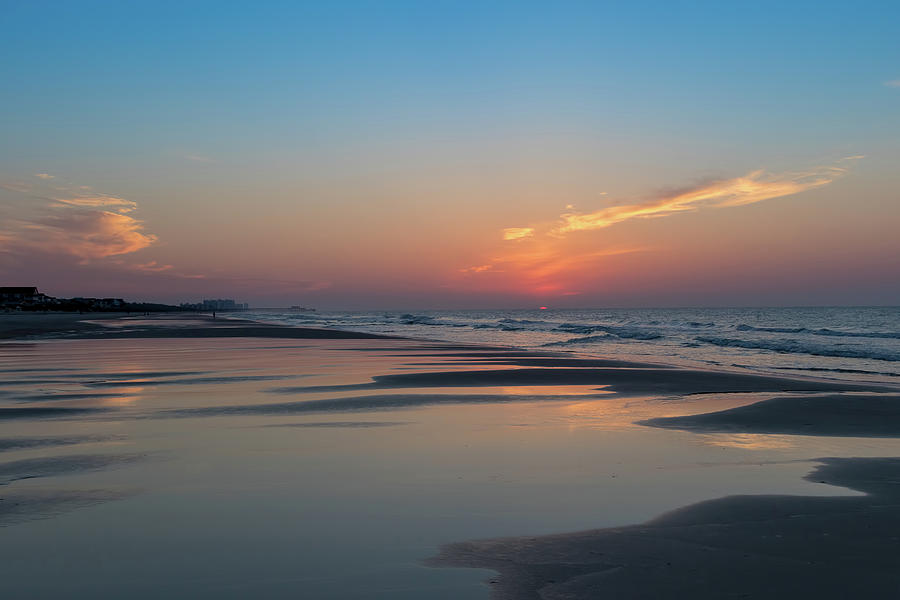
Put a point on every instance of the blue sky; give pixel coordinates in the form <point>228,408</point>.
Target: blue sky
<point>197,107</point>
<point>110,77</point>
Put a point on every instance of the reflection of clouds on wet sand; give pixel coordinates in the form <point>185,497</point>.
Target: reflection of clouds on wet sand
<point>739,546</point>
<point>851,415</point>
<point>46,412</point>
<point>341,424</point>
<point>749,441</point>
<point>475,443</point>
<point>31,468</point>
<point>19,507</point>
<point>23,443</point>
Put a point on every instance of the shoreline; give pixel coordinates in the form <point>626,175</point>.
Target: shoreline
<point>54,326</point>
<point>737,546</point>
<point>26,327</point>
<point>712,544</point>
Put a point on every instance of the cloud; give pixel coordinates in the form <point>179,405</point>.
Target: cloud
<point>894,83</point>
<point>15,186</point>
<point>198,158</point>
<point>556,258</point>
<point>44,176</point>
<point>753,187</point>
<point>477,269</point>
<point>112,202</point>
<point>550,268</point>
<point>517,233</point>
<point>85,227</point>
<point>151,267</point>
<point>86,234</point>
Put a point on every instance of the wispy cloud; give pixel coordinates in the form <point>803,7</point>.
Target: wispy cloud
<point>44,176</point>
<point>477,269</point>
<point>111,202</point>
<point>86,234</point>
<point>151,267</point>
<point>554,258</point>
<point>517,233</point>
<point>198,158</point>
<point>68,222</point>
<point>545,269</point>
<point>753,187</point>
<point>893,83</point>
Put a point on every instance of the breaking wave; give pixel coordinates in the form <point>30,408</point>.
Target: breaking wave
<point>797,347</point>
<point>824,331</point>
<point>631,333</point>
<point>859,343</point>
<point>591,339</point>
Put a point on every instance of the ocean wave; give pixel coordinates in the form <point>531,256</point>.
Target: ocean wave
<point>582,329</point>
<point>797,347</point>
<point>743,327</point>
<point>499,326</point>
<point>891,335</point>
<point>631,333</point>
<point>824,331</point>
<point>835,370</point>
<point>582,340</point>
<point>408,319</point>
<point>523,322</point>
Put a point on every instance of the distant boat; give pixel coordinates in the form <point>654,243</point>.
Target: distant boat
<point>303,309</point>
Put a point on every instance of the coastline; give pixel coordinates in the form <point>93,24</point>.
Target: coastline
<point>29,326</point>
<point>633,561</point>
<point>534,367</point>
<point>738,546</point>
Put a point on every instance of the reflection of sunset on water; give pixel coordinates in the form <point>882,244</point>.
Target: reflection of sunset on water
<point>749,441</point>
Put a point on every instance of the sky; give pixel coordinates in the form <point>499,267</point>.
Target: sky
<point>413,155</point>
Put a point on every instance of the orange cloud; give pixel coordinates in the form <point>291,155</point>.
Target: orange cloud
<point>86,234</point>
<point>83,226</point>
<point>548,260</point>
<point>542,267</point>
<point>755,186</point>
<point>151,267</point>
<point>119,204</point>
<point>517,233</point>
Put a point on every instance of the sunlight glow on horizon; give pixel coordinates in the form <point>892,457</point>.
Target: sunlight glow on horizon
<point>387,156</point>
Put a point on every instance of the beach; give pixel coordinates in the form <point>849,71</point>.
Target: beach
<point>192,457</point>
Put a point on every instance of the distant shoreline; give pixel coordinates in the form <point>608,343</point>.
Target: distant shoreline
<point>60,325</point>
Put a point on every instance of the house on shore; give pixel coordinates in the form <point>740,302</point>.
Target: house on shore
<point>22,295</point>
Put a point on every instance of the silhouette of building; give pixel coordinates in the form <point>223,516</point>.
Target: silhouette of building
<point>22,295</point>
<point>216,304</point>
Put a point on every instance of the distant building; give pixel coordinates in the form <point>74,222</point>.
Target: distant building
<point>22,295</point>
<point>216,304</point>
<point>98,303</point>
<point>113,303</point>
<point>30,299</point>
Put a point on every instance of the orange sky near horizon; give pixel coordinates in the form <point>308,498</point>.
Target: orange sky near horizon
<point>404,156</point>
<point>723,239</point>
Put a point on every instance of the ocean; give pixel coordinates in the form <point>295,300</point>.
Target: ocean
<point>848,343</point>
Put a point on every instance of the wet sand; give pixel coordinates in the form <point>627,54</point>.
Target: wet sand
<point>27,326</point>
<point>737,547</point>
<point>225,448</point>
<point>856,415</point>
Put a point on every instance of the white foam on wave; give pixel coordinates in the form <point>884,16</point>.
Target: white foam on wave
<point>789,346</point>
